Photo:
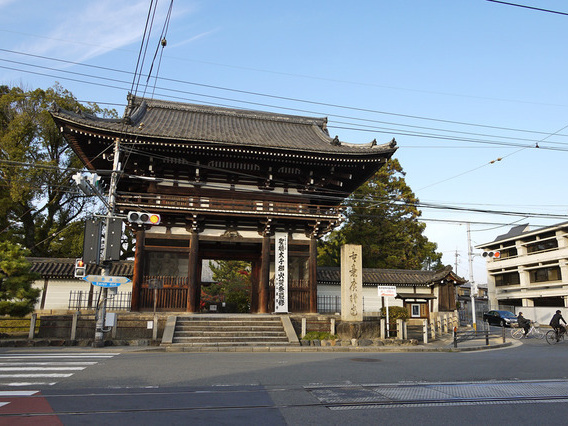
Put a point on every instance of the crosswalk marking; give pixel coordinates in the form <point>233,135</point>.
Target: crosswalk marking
<point>44,369</point>
<point>14,376</point>
<point>86,363</point>
<point>12,393</point>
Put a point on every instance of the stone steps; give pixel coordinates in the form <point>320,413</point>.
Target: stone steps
<point>229,330</point>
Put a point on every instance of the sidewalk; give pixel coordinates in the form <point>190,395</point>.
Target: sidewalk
<point>444,343</point>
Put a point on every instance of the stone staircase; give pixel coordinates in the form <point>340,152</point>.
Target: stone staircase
<point>204,330</point>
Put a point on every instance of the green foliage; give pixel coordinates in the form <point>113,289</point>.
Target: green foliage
<point>320,335</point>
<point>38,202</point>
<point>17,297</point>
<point>395,312</point>
<point>233,285</point>
<point>382,217</point>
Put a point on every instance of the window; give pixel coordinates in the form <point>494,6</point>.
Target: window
<point>415,310</point>
<point>541,245</point>
<point>509,278</point>
<point>545,274</point>
<point>508,252</point>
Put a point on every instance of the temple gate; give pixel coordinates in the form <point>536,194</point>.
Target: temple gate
<point>224,181</point>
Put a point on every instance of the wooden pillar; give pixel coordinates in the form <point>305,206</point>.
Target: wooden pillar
<point>312,275</point>
<point>264,275</point>
<point>193,295</point>
<point>138,273</point>
<point>254,291</point>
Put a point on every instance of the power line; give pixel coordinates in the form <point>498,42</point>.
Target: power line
<point>415,134</point>
<point>267,95</point>
<point>528,7</point>
<point>422,205</point>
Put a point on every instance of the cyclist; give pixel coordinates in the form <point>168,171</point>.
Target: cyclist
<point>555,324</point>
<point>523,323</point>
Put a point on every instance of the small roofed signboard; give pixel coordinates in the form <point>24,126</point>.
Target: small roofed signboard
<point>387,290</point>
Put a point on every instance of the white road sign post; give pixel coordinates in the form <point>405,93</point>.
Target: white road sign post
<point>387,291</point>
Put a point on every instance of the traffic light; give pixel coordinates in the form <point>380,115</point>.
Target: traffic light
<point>142,218</point>
<point>82,184</point>
<point>89,185</point>
<point>79,268</point>
<point>495,255</point>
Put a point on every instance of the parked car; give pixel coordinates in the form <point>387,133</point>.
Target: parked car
<point>501,318</point>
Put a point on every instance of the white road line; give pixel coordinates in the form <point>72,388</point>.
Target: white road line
<point>27,383</point>
<point>22,376</point>
<point>53,356</point>
<point>67,354</point>
<point>86,363</point>
<point>42,368</point>
<point>8,394</point>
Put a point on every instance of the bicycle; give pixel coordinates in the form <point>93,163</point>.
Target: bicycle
<point>553,337</point>
<point>535,331</point>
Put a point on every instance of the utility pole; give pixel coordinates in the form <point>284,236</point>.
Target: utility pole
<point>106,263</point>
<point>456,263</point>
<point>473,287</point>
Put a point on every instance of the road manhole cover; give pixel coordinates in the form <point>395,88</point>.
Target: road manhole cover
<point>365,359</point>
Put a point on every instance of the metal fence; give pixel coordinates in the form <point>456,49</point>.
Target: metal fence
<point>79,300</point>
<point>329,304</point>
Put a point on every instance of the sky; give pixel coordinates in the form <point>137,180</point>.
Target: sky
<point>473,91</point>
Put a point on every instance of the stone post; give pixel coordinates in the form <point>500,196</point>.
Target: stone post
<point>425,330</point>
<point>74,325</point>
<point>32,326</point>
<point>399,329</point>
<point>351,283</point>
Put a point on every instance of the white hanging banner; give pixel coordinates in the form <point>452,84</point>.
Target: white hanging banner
<point>281,272</point>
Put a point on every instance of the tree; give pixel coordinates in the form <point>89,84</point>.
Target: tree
<point>233,284</point>
<point>381,216</point>
<point>39,205</point>
<point>17,297</point>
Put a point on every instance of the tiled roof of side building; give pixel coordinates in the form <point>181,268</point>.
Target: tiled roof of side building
<point>64,268</point>
<point>375,276</point>
<point>183,122</point>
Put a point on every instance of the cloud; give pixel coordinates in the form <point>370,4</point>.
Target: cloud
<point>192,39</point>
<point>84,33</point>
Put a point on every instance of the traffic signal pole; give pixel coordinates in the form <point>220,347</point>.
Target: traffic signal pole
<point>473,287</point>
<point>106,263</point>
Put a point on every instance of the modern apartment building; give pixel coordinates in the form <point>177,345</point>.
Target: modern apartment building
<point>528,268</point>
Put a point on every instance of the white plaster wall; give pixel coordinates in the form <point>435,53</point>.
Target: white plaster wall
<point>57,296</point>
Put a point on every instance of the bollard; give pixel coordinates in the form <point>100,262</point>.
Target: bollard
<point>487,337</point>
<point>154,330</point>
<point>432,330</point>
<point>74,325</point>
<point>455,337</point>
<point>32,326</point>
<point>503,333</point>
<point>383,328</point>
<point>399,331</point>
<point>425,330</point>
<point>332,326</point>
<point>304,327</point>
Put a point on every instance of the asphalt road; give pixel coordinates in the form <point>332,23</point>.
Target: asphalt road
<point>525,384</point>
